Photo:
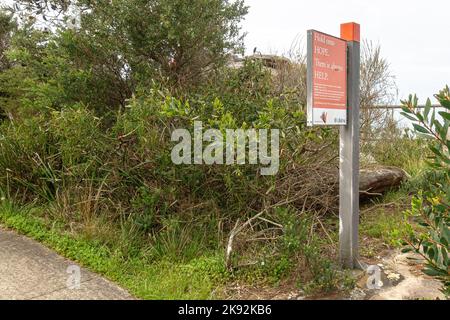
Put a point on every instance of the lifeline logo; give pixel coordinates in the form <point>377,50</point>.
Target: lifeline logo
<point>235,145</point>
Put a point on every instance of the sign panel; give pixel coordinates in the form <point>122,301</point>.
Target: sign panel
<point>326,79</point>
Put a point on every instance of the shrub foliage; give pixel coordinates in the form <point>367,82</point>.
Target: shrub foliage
<point>431,207</point>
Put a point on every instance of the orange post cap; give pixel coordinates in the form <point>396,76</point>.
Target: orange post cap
<point>350,31</point>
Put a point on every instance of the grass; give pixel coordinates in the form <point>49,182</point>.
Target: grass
<point>205,276</point>
<point>385,221</point>
<point>163,277</point>
<point>386,226</point>
<point>151,273</point>
<point>200,278</point>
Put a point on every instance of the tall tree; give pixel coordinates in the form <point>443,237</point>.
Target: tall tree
<point>122,44</point>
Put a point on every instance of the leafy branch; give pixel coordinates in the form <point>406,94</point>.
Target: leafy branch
<point>430,209</point>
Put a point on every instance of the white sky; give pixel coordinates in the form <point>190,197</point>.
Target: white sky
<point>414,35</point>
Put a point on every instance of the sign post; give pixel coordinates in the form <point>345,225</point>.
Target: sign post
<point>349,155</point>
<point>333,99</point>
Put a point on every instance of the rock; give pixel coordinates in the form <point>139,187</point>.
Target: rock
<point>270,61</point>
<point>378,179</point>
<point>235,62</point>
<point>404,284</point>
<point>357,294</point>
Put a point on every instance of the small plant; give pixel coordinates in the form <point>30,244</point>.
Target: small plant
<point>431,207</point>
<point>431,212</point>
<point>299,244</point>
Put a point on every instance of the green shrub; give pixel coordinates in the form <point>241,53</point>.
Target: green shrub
<point>406,152</point>
<point>431,208</point>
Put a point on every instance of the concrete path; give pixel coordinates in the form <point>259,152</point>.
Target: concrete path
<point>406,281</point>
<point>400,278</point>
<point>30,271</point>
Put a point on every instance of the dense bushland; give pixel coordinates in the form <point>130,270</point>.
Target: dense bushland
<point>90,92</point>
<point>87,138</point>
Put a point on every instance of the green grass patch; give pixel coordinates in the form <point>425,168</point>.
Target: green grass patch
<point>200,278</point>
<point>385,220</point>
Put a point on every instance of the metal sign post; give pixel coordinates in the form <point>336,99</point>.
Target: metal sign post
<point>349,155</point>
<point>333,99</point>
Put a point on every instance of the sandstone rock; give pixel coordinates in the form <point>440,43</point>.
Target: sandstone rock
<point>378,179</point>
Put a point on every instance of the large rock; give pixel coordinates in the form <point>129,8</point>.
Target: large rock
<point>272,63</point>
<point>378,179</point>
<point>270,60</point>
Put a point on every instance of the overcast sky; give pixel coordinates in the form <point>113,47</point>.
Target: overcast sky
<point>414,35</point>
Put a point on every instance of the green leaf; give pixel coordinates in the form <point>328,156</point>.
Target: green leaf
<point>444,256</point>
<point>412,118</point>
<point>445,115</point>
<point>444,102</point>
<point>427,108</point>
<point>433,116</point>
<point>406,110</point>
<point>419,116</point>
<point>433,272</point>
<point>445,232</point>
<point>420,129</point>
<point>444,131</point>
<point>436,151</point>
<point>430,253</point>
<point>415,100</point>
<point>443,241</point>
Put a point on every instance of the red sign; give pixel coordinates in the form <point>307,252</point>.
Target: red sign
<point>327,104</point>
